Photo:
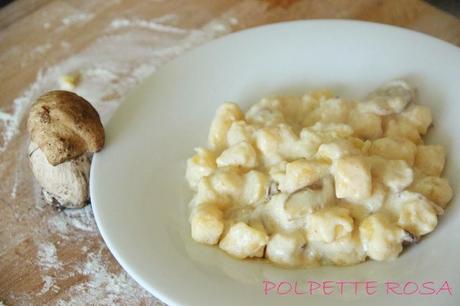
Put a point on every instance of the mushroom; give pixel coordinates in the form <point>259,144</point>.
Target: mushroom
<point>390,98</point>
<point>65,130</point>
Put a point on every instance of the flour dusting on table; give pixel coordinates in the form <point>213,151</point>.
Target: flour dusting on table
<point>47,256</point>
<point>113,285</point>
<point>127,51</point>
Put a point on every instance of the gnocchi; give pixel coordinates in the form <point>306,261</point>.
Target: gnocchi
<point>318,179</point>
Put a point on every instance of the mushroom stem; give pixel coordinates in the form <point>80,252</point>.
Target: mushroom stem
<point>65,184</point>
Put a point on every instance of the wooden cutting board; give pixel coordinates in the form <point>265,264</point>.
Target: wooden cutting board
<point>58,257</point>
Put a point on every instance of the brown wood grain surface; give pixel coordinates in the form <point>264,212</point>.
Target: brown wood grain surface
<point>28,24</point>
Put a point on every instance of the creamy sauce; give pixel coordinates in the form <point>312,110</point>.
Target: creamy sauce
<point>317,179</point>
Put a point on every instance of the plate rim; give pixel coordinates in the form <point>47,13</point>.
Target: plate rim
<point>157,292</point>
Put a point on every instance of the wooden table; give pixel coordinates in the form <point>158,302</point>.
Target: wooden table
<point>58,257</point>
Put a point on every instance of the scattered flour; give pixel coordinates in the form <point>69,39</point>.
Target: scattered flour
<point>76,18</point>
<point>107,72</point>
<point>41,49</point>
<point>47,256</point>
<point>115,286</point>
<point>73,219</point>
<point>12,120</point>
<point>146,24</point>
<point>58,224</point>
<point>14,190</point>
<point>127,51</point>
<point>48,283</point>
<point>82,219</point>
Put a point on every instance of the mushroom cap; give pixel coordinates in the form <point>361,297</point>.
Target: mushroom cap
<point>65,126</point>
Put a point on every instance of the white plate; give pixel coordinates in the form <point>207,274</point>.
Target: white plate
<point>137,182</point>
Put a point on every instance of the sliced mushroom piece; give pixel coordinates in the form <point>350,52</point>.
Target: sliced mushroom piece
<point>410,239</point>
<point>390,98</point>
<point>308,200</point>
<point>271,190</point>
